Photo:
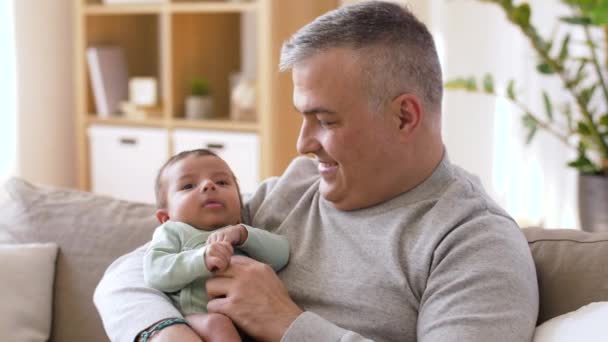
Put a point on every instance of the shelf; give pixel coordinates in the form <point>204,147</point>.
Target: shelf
<point>123,9</point>
<point>212,7</point>
<point>216,124</point>
<point>123,121</point>
<point>175,41</point>
<point>180,7</point>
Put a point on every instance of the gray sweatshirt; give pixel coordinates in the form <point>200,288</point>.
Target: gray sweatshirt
<point>440,262</point>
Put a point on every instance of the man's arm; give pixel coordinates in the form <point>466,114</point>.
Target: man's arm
<point>126,305</point>
<point>482,285</point>
<point>251,294</point>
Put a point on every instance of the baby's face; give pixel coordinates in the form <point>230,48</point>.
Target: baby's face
<point>202,192</point>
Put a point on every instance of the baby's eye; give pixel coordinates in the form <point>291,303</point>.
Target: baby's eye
<point>187,186</point>
<point>222,182</point>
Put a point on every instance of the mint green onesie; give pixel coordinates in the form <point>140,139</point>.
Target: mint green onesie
<point>174,261</point>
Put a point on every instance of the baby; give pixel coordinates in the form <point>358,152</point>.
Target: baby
<point>199,208</point>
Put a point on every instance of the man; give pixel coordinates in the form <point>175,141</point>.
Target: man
<point>390,242</point>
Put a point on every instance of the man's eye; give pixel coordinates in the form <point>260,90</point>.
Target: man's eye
<point>325,124</point>
<point>187,186</point>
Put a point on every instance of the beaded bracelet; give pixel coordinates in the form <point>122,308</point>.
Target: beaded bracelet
<point>146,334</point>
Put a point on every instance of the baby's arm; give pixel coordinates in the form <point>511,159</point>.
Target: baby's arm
<point>269,248</point>
<point>166,267</point>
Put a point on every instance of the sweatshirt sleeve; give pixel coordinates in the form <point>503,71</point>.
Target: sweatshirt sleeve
<point>125,304</point>
<point>166,267</point>
<point>312,327</point>
<point>482,285</point>
<point>269,248</point>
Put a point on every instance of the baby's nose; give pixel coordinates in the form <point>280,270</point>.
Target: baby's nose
<point>208,185</point>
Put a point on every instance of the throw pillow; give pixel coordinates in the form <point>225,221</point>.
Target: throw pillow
<point>585,324</point>
<point>26,274</point>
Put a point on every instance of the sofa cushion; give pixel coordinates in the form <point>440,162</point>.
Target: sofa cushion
<point>571,268</point>
<point>27,273</point>
<point>585,324</point>
<point>91,232</point>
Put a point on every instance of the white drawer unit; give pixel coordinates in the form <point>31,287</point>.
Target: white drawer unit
<point>125,160</point>
<point>240,150</point>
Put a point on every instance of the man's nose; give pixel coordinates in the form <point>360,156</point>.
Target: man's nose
<point>207,186</point>
<point>307,140</point>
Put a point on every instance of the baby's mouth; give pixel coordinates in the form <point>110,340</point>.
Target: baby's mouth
<point>212,204</point>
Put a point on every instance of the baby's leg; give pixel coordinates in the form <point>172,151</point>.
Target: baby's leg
<point>213,327</point>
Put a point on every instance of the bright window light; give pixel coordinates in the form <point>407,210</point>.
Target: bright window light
<point>8,90</point>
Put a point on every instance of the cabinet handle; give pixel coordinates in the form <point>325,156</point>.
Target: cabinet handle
<point>128,141</point>
<point>212,146</point>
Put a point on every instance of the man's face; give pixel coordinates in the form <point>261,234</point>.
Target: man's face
<point>202,192</point>
<point>354,146</point>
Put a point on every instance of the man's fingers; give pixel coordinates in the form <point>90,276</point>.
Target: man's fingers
<point>218,287</point>
<point>217,305</point>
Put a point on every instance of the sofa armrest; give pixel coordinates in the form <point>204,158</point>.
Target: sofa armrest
<point>572,269</point>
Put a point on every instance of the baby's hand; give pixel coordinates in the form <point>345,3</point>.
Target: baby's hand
<point>217,255</point>
<point>235,235</point>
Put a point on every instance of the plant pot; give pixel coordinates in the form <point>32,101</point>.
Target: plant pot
<point>593,202</point>
<point>199,107</point>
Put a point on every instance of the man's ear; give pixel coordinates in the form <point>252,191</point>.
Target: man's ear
<point>407,112</point>
<point>162,215</point>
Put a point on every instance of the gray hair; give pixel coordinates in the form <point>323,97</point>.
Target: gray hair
<point>397,50</point>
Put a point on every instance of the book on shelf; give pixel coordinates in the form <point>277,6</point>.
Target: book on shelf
<point>109,78</point>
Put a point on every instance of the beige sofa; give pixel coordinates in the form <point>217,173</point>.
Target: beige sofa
<point>92,230</point>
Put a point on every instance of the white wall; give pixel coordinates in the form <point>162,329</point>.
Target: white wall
<point>44,41</point>
<point>421,8</point>
<point>486,136</point>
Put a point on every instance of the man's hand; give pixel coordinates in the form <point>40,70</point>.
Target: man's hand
<point>235,235</point>
<point>217,255</point>
<point>251,294</point>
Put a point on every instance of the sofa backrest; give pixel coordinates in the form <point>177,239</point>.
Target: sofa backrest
<point>572,269</point>
<point>91,232</point>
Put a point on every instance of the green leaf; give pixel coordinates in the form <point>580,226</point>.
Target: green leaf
<point>488,84</point>
<point>545,68</point>
<point>604,120</point>
<point>468,84</point>
<point>583,129</point>
<point>531,134</point>
<point>530,122</point>
<point>583,163</point>
<point>563,52</point>
<point>576,20</point>
<point>548,106</point>
<point>587,94</point>
<point>521,15</point>
<point>567,110</point>
<point>595,10</point>
<point>511,90</point>
<point>199,87</point>
<point>580,74</point>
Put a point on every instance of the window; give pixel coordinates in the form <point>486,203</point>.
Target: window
<point>8,91</point>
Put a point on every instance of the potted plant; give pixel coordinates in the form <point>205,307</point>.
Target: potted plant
<point>199,104</point>
<point>583,122</point>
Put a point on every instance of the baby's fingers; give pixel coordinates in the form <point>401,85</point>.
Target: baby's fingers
<point>217,263</point>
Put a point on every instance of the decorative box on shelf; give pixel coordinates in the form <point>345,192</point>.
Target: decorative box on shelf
<point>125,2</point>
<point>125,160</point>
